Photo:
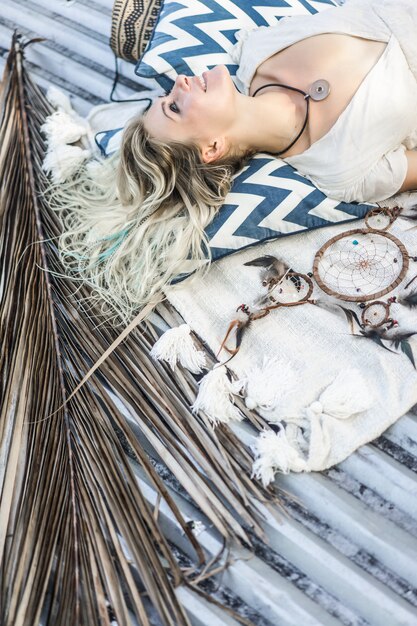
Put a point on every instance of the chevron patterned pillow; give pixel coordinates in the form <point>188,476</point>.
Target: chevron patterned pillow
<point>270,199</point>
<point>192,36</point>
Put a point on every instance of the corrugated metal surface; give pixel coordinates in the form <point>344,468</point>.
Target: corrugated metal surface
<point>347,552</point>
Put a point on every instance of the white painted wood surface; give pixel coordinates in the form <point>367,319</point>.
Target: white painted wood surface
<point>348,555</point>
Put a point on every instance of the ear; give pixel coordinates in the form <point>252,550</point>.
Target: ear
<point>214,150</point>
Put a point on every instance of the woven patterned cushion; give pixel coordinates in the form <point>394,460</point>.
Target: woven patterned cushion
<point>132,26</point>
<point>192,36</point>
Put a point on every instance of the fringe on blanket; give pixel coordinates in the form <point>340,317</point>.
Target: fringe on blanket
<point>303,441</point>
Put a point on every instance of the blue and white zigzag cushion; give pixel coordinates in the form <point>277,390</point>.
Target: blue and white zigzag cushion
<point>268,199</point>
<point>193,36</point>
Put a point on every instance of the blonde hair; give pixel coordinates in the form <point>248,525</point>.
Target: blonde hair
<point>135,221</point>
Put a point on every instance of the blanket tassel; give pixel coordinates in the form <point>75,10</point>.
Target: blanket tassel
<point>274,453</point>
<point>215,397</point>
<point>176,345</point>
<point>62,130</point>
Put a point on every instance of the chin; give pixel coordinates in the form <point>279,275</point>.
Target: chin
<point>218,78</point>
<point>219,72</point>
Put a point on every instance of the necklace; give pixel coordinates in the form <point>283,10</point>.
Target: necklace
<point>319,90</point>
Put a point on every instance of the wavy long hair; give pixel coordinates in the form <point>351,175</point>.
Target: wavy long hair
<point>134,221</point>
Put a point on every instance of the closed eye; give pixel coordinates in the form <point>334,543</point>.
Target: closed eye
<point>173,106</point>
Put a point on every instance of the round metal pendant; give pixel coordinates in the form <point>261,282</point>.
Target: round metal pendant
<point>319,90</point>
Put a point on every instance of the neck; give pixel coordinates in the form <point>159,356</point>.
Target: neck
<point>268,122</point>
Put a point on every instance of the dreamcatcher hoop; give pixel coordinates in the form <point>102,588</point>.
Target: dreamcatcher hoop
<point>295,278</point>
<point>318,259</point>
<point>379,214</point>
<point>362,259</point>
<point>376,314</point>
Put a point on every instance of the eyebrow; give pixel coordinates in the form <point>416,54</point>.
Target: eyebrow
<point>164,112</point>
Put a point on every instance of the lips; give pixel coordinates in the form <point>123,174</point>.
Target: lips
<point>203,81</point>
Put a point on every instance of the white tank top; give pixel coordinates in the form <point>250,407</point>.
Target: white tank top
<point>362,156</point>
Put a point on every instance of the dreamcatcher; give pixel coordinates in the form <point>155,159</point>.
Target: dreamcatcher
<point>359,266</point>
<point>362,264</point>
<point>285,288</point>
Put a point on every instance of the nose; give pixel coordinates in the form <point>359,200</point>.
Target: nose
<point>183,82</point>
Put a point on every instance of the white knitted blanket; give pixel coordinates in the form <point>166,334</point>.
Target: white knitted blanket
<point>311,348</point>
<point>332,391</point>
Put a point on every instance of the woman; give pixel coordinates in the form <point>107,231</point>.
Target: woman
<point>334,94</point>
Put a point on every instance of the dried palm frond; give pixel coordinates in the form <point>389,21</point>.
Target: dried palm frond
<point>79,542</point>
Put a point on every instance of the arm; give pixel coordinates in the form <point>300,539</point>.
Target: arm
<point>410,182</point>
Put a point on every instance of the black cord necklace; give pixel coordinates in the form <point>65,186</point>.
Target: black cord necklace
<point>319,90</point>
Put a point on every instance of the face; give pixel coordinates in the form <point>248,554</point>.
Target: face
<point>197,109</point>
